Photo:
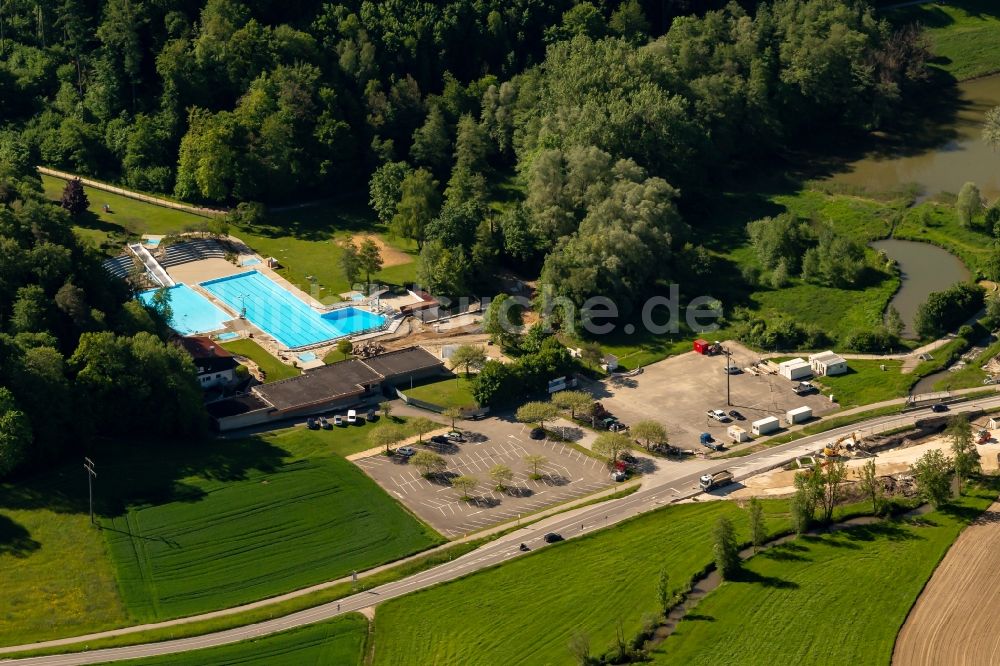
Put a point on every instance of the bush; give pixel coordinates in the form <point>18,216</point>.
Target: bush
<point>945,310</point>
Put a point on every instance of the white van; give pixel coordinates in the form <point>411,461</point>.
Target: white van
<point>352,416</point>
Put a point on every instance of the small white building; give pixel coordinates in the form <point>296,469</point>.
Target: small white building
<point>799,414</point>
<point>795,369</point>
<point>828,363</point>
<point>737,434</point>
<point>215,365</point>
<point>765,426</point>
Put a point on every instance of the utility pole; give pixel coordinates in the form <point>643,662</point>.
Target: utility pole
<point>728,354</point>
<point>89,465</point>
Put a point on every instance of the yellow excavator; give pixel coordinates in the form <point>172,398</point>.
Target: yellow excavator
<point>836,448</point>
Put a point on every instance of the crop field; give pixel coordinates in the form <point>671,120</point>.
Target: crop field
<point>839,598</point>
<point>340,642</point>
<point>220,541</point>
<point>527,610</point>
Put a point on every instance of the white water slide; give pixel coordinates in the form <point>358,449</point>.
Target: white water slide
<point>153,267</point>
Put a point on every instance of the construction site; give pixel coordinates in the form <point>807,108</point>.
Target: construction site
<point>893,454</point>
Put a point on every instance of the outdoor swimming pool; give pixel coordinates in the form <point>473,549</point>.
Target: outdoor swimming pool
<point>284,317</point>
<point>192,312</point>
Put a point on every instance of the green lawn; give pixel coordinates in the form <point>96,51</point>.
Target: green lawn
<point>833,599</point>
<point>971,375</point>
<point>302,239</point>
<point>340,641</point>
<point>965,34</point>
<point>273,368</point>
<point>451,392</point>
<point>942,228</point>
<point>865,382</point>
<point>527,610</point>
<point>249,519</point>
<point>191,527</point>
<point>54,567</point>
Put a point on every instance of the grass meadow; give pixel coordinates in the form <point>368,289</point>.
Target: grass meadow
<point>451,392</point>
<point>858,584</point>
<point>865,382</point>
<point>273,368</point>
<point>191,527</point>
<point>527,610</point>
<point>303,239</point>
<point>340,642</point>
<point>965,34</point>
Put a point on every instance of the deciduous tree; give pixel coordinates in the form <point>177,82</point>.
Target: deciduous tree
<point>535,461</point>
<point>502,476</point>
<point>932,472</point>
<point>429,463</point>
<point>755,517</point>
<point>651,433</point>
<point>963,448</point>
<point>464,484</point>
<point>871,485</point>
<point>611,445</point>
<point>537,413</point>
<point>725,548</point>
<point>469,357</point>
<point>74,198</point>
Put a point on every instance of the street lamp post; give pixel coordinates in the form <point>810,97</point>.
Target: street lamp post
<point>89,466</point>
<point>728,375</point>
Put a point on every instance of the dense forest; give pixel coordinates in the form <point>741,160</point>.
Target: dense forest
<point>602,116</point>
<point>78,359</point>
<point>606,113</point>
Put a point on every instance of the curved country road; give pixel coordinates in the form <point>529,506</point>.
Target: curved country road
<point>570,524</point>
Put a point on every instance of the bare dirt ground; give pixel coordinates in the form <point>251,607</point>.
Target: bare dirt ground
<point>390,255</point>
<point>955,620</point>
<point>893,461</point>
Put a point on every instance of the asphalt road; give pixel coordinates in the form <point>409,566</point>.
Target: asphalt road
<point>570,524</point>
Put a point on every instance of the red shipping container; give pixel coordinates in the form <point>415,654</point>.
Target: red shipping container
<point>701,346</point>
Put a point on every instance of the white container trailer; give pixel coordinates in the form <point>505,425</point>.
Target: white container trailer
<point>765,426</point>
<point>799,414</point>
<point>795,369</point>
<point>738,434</point>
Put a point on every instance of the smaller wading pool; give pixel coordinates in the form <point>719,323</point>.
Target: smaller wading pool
<point>192,312</point>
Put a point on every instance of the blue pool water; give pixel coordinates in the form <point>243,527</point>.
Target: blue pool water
<point>192,312</point>
<point>252,261</point>
<point>228,336</point>
<point>307,357</point>
<point>284,317</point>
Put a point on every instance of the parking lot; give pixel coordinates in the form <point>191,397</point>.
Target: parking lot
<point>680,390</point>
<point>567,474</point>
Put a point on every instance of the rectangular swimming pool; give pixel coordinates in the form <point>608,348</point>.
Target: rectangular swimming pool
<point>280,314</point>
<point>192,312</point>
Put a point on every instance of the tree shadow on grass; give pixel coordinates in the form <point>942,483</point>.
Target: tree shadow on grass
<point>140,472</point>
<point>748,576</point>
<point>786,552</point>
<point>15,540</point>
<point>968,514</point>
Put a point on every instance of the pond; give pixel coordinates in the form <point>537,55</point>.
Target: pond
<point>963,157</point>
<point>923,268</point>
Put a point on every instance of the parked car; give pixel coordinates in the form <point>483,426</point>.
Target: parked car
<point>352,416</point>
<point>732,370</point>
<point>439,439</point>
<point>406,451</point>
<point>627,457</point>
<point>552,537</point>
<point>804,388</point>
<point>326,425</point>
<point>939,407</point>
<point>455,436</point>
<point>618,426</point>
<point>736,415</point>
<point>312,423</point>
<point>338,420</point>
<point>718,415</point>
<point>618,475</point>
<point>370,415</point>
